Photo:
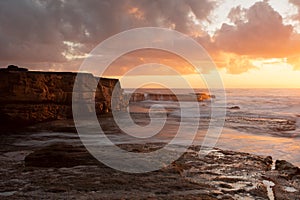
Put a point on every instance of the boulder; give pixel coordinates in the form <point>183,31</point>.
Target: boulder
<point>234,108</point>
<point>287,168</point>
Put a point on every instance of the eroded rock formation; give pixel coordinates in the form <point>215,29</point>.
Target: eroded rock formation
<point>69,171</point>
<point>28,97</point>
<point>138,96</point>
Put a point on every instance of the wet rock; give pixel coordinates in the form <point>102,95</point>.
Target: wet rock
<point>283,165</point>
<point>234,108</point>
<point>60,155</point>
<point>218,175</point>
<point>136,96</point>
<point>139,96</point>
<point>66,170</point>
<point>269,161</point>
<point>270,125</point>
<point>287,168</point>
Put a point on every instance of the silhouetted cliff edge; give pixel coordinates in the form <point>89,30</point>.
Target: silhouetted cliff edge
<point>28,97</point>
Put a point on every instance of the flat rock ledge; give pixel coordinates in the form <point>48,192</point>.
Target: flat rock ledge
<point>64,171</point>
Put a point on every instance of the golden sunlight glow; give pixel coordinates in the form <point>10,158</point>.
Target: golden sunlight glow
<point>267,75</point>
<point>294,61</point>
<point>140,57</point>
<point>71,53</point>
<point>138,14</point>
<point>236,71</point>
<point>194,19</point>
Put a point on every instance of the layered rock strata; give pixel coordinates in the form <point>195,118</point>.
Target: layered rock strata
<point>138,96</point>
<point>29,97</point>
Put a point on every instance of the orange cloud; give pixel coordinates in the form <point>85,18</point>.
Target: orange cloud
<point>234,64</point>
<point>137,13</point>
<point>294,61</point>
<point>139,57</point>
<point>262,34</point>
<point>34,32</point>
<point>257,32</point>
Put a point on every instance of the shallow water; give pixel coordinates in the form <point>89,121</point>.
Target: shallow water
<point>267,123</point>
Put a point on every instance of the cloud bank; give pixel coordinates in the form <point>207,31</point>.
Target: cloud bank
<point>57,34</point>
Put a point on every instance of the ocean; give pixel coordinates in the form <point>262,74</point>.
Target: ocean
<point>264,122</point>
<point>259,121</point>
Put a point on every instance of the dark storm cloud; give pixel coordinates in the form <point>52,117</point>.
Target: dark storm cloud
<point>47,33</point>
<point>28,33</point>
<point>34,31</point>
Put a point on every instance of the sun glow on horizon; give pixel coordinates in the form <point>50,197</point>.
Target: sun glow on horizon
<point>270,73</point>
<point>253,43</point>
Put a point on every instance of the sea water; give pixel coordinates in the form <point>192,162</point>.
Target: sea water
<point>267,123</point>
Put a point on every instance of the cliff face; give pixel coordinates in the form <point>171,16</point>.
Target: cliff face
<point>30,97</point>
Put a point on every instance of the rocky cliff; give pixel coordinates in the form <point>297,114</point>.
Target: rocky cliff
<point>29,97</point>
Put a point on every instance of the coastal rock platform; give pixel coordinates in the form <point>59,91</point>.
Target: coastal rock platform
<point>62,168</point>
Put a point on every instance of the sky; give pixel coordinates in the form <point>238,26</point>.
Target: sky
<point>254,44</point>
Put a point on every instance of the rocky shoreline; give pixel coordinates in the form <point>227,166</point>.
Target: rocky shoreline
<point>47,160</point>
<point>59,167</point>
<point>30,97</point>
